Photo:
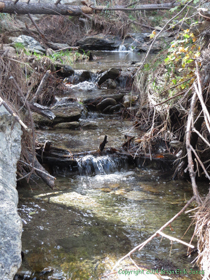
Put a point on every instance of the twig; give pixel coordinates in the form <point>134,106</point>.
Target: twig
<point>16,1</point>
<point>201,136</point>
<point>139,247</point>
<point>31,120</point>
<point>189,151</point>
<point>13,114</point>
<point>41,85</point>
<point>37,28</point>
<point>174,86</point>
<point>37,169</point>
<point>175,239</point>
<point>201,164</point>
<point>178,94</point>
<point>158,34</point>
<point>200,96</point>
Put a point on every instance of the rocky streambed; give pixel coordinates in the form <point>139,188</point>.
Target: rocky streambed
<point>92,218</point>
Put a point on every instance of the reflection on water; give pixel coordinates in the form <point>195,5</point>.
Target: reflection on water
<point>88,222</point>
<point>109,59</point>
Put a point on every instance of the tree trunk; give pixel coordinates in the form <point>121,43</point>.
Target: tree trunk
<point>53,9</point>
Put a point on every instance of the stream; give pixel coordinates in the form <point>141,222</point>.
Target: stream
<point>89,221</point>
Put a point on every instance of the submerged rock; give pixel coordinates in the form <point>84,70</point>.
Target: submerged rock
<point>67,125</point>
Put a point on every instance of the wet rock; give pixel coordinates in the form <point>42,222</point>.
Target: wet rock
<point>41,121</point>
<point>30,44</point>
<point>68,113</point>
<point>99,42</point>
<point>106,110</point>
<point>64,70</point>
<point>125,79</point>
<point>10,222</point>
<point>63,113</point>
<point>91,103</point>
<point>80,76</point>
<point>150,189</point>
<point>112,73</point>
<point>138,196</point>
<point>106,102</point>
<point>88,124</point>
<point>115,108</point>
<point>85,76</point>
<point>67,125</point>
<point>134,41</point>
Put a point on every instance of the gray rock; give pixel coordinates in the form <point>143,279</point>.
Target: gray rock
<point>63,113</point>
<point>41,121</point>
<point>30,44</point>
<point>106,102</point>
<point>112,73</point>
<point>67,125</point>
<point>99,42</point>
<point>10,222</point>
<point>65,70</point>
<point>70,113</point>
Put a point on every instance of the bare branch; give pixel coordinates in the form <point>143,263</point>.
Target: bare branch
<point>13,114</point>
<point>189,151</point>
<point>175,239</point>
<point>139,247</point>
<point>41,85</point>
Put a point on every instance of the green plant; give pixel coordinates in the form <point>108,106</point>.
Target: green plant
<point>19,46</point>
<point>180,62</point>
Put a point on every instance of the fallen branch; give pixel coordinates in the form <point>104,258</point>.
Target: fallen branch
<point>42,173</point>
<point>2,102</point>
<point>189,151</point>
<point>37,28</point>
<point>55,9</point>
<point>41,85</point>
<point>175,239</point>
<point>141,246</point>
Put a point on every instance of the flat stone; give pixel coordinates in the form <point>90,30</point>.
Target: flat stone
<point>66,114</point>
<point>41,121</point>
<point>67,125</point>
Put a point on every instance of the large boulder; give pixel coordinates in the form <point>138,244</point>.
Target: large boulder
<point>99,42</point>
<point>10,222</point>
<point>29,43</point>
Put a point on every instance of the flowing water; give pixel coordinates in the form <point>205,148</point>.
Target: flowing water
<point>89,221</point>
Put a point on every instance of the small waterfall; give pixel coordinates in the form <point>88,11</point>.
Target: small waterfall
<point>96,165</point>
<point>122,48</point>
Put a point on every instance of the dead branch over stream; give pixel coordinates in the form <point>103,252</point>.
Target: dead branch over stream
<point>53,9</point>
